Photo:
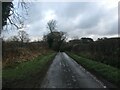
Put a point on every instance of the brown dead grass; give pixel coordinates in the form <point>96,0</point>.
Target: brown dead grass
<point>19,55</point>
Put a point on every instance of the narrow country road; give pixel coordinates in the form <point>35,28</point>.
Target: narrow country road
<point>64,72</point>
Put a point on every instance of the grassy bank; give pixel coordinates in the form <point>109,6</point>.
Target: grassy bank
<point>27,74</point>
<point>108,72</point>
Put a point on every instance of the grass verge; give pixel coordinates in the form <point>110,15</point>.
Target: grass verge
<point>27,74</point>
<point>108,72</point>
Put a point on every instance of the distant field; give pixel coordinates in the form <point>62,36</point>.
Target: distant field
<point>28,73</point>
<point>108,72</point>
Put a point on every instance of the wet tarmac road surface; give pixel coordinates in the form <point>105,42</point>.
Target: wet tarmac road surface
<point>64,72</point>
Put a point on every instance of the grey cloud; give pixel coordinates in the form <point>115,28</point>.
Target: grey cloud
<point>95,19</point>
<point>112,28</point>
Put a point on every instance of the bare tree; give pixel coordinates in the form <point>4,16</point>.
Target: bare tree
<point>54,38</point>
<point>12,16</point>
<point>13,38</point>
<point>51,25</point>
<point>23,36</point>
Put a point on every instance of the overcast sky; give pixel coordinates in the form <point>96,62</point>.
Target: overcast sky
<point>78,19</point>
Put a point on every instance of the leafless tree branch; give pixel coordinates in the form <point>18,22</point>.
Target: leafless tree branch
<point>13,23</point>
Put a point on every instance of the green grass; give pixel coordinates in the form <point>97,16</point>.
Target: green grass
<point>26,70</point>
<point>108,72</point>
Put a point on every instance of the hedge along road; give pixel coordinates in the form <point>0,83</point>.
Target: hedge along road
<point>64,72</point>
